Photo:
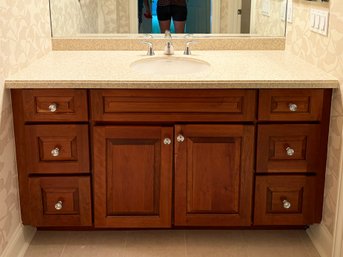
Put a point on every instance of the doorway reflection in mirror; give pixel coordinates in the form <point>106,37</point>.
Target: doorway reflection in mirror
<point>143,4</point>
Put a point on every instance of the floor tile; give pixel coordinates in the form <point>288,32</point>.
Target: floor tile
<point>216,243</point>
<point>156,243</point>
<point>271,243</point>
<point>172,243</point>
<point>47,244</point>
<point>95,244</point>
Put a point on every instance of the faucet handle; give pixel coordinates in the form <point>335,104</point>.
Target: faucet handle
<point>148,36</point>
<point>188,47</point>
<point>189,36</point>
<point>167,34</point>
<point>150,48</point>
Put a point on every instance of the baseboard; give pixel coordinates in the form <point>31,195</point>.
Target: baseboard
<point>19,242</point>
<point>321,239</point>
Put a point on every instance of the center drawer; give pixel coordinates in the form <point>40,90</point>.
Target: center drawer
<point>173,105</point>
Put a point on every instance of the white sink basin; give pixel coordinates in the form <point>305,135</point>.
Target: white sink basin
<point>169,65</point>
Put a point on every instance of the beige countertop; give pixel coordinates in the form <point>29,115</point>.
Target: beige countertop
<point>228,69</point>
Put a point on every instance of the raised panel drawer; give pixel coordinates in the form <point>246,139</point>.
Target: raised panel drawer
<point>284,200</point>
<point>173,105</point>
<point>290,105</point>
<point>60,201</point>
<point>288,148</point>
<point>57,148</point>
<point>55,105</point>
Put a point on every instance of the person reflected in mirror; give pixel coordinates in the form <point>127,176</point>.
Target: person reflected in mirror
<point>147,14</point>
<point>175,10</point>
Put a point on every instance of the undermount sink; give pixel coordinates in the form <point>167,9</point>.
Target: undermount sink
<point>169,65</point>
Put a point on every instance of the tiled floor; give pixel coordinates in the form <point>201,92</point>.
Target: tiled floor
<point>175,243</point>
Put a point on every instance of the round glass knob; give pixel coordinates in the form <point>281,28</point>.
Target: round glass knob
<point>167,141</point>
<point>290,151</point>
<point>286,204</point>
<point>59,205</point>
<point>53,107</point>
<point>55,152</point>
<point>180,138</point>
<point>293,107</point>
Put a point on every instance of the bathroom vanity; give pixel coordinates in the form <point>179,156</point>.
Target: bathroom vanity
<point>237,147</point>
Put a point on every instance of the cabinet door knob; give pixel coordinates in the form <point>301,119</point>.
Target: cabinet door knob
<point>286,204</point>
<point>290,151</point>
<point>293,107</point>
<point>167,141</point>
<point>55,152</point>
<point>59,205</point>
<point>180,138</point>
<point>53,107</point>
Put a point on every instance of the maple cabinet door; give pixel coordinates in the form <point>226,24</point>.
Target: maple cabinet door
<point>213,175</point>
<point>132,176</point>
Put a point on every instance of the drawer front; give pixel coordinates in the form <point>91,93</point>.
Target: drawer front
<point>60,201</point>
<point>288,148</point>
<point>284,200</point>
<point>290,105</point>
<point>55,105</point>
<point>57,148</point>
<point>173,105</point>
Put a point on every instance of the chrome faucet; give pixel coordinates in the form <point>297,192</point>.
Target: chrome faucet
<point>150,48</point>
<point>168,49</point>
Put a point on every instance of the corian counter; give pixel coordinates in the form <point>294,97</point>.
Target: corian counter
<point>229,69</point>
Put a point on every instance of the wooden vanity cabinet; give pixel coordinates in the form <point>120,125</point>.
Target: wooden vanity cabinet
<point>166,158</point>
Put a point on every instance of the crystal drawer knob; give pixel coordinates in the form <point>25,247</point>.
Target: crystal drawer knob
<point>293,107</point>
<point>53,107</point>
<point>290,151</point>
<point>180,138</point>
<point>286,204</point>
<point>55,152</point>
<point>59,205</point>
<point>167,141</point>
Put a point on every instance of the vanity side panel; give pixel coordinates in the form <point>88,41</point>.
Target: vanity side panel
<point>320,178</point>
<point>19,132</point>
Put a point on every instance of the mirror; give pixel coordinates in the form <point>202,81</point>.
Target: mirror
<point>80,18</point>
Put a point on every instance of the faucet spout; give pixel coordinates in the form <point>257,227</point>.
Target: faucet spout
<point>168,49</point>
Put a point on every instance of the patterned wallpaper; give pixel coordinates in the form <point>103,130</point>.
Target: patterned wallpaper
<point>71,17</point>
<point>271,25</point>
<point>24,37</point>
<point>326,53</point>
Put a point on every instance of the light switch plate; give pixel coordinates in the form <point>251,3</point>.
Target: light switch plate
<point>319,21</point>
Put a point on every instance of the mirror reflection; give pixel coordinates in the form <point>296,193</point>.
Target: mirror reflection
<point>77,18</point>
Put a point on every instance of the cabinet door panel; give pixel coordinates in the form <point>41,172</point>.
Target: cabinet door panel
<point>213,175</point>
<point>132,176</point>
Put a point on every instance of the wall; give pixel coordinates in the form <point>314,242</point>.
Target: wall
<point>24,37</point>
<point>72,17</point>
<point>326,53</point>
<point>268,25</point>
